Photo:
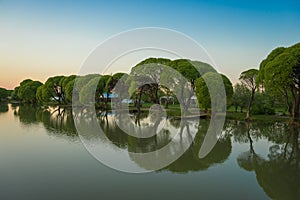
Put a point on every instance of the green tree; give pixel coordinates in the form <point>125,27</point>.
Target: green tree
<point>15,93</point>
<point>4,93</point>
<point>280,72</point>
<point>87,94</point>
<point>52,90</point>
<point>228,88</point>
<point>263,104</point>
<point>28,89</point>
<point>249,79</point>
<point>69,91</point>
<point>63,84</point>
<point>204,95</point>
<point>240,96</point>
<point>147,74</point>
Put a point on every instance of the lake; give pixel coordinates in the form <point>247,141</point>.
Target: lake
<point>42,157</point>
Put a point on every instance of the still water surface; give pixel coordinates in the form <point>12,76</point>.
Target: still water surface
<point>42,157</point>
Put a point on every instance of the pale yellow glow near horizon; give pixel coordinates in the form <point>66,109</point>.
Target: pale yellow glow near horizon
<point>39,54</point>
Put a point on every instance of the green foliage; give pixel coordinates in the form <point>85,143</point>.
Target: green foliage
<point>263,104</point>
<point>87,93</point>
<point>112,81</point>
<point>280,73</point>
<point>39,93</point>
<point>202,67</point>
<point>69,90</point>
<point>4,93</point>
<point>187,69</point>
<point>15,93</point>
<point>145,78</point>
<point>248,77</point>
<point>27,90</point>
<point>48,91</point>
<point>204,95</point>
<point>270,57</point>
<point>228,88</point>
<point>240,97</point>
<point>65,80</point>
<point>102,85</point>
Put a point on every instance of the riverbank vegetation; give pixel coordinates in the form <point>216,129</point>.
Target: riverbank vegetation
<point>272,89</point>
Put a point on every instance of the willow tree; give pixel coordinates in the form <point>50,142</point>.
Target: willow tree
<point>280,72</point>
<point>27,90</point>
<point>249,79</point>
<point>147,75</point>
<point>205,96</point>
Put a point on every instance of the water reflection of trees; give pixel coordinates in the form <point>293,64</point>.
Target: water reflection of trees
<point>56,120</point>
<point>59,121</point>
<point>279,173</point>
<point>3,108</point>
<point>190,160</point>
<point>186,130</point>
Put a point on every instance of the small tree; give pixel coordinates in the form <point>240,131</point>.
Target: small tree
<point>249,79</point>
<point>240,97</point>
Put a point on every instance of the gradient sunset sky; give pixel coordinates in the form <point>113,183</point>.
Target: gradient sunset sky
<point>39,39</point>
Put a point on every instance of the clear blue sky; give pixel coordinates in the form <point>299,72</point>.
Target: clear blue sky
<point>44,38</point>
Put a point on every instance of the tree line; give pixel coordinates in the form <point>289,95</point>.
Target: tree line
<point>60,89</point>
<point>275,83</point>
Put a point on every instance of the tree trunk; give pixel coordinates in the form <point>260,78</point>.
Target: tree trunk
<point>296,101</point>
<point>156,95</point>
<point>167,103</point>
<point>250,139</point>
<point>295,115</point>
<point>137,120</point>
<point>250,104</point>
<point>289,108</point>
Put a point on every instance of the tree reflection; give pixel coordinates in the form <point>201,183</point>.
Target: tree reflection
<point>56,120</point>
<point>3,108</point>
<point>190,160</point>
<point>27,113</point>
<point>60,121</point>
<point>279,173</point>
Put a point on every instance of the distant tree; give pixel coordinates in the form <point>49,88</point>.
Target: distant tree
<point>69,91</point>
<point>280,72</point>
<point>65,80</point>
<point>240,97</point>
<point>147,74</point>
<point>263,104</point>
<point>52,90</point>
<point>15,93</point>
<point>228,88</point>
<point>28,89</point>
<point>204,95</point>
<point>87,93</point>
<point>4,93</point>
<point>191,71</point>
<point>249,79</point>
<point>102,87</point>
<point>39,94</point>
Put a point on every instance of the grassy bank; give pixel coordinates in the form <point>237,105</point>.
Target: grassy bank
<point>242,115</point>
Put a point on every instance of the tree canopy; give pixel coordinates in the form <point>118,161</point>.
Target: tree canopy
<point>27,90</point>
<point>249,78</point>
<point>204,95</point>
<point>280,72</point>
<point>4,93</point>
